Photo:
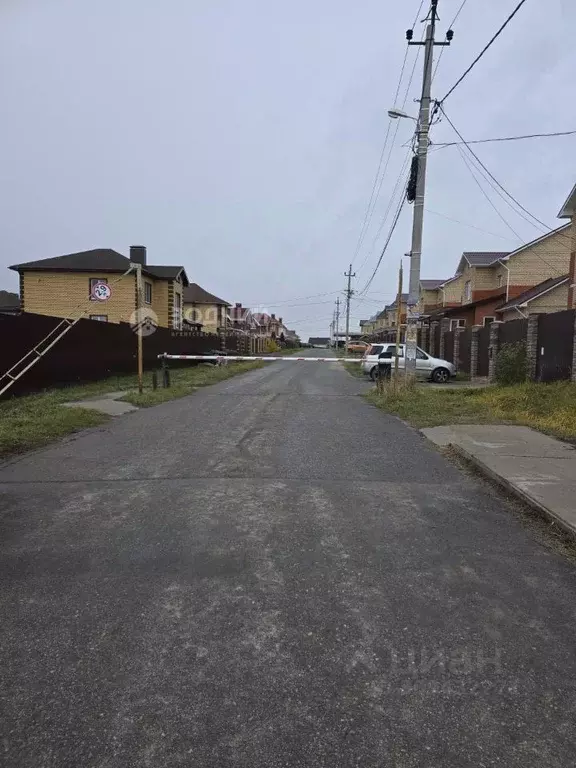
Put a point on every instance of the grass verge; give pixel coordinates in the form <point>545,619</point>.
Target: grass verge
<point>184,381</point>
<point>550,408</point>
<point>35,420</point>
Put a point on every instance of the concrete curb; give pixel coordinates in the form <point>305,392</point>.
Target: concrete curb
<point>537,506</point>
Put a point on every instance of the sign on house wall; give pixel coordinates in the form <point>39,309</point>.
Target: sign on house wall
<point>101,292</point>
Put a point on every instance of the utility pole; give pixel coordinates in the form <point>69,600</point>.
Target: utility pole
<point>337,321</point>
<point>398,320</point>
<point>349,293</point>
<point>140,316</point>
<point>421,155</point>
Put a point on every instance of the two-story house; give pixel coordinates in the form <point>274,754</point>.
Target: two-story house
<point>64,286</point>
<point>204,310</point>
<point>491,285</point>
<point>568,211</point>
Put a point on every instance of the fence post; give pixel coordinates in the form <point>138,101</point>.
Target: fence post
<point>457,333</point>
<point>573,374</point>
<point>493,349</point>
<point>532,346</point>
<point>434,329</point>
<point>474,352</point>
<point>444,328</point>
<point>424,337</point>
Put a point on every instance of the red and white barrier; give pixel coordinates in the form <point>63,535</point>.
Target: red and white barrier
<point>266,359</point>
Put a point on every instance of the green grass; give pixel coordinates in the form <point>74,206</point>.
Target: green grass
<point>550,408</point>
<point>355,369</point>
<point>35,420</point>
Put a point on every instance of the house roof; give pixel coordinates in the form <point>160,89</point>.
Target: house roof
<point>480,258</point>
<point>168,273</point>
<point>533,293</point>
<point>403,298</point>
<point>537,240</point>
<point>104,259</point>
<point>569,207</point>
<point>98,260</point>
<point>430,285</point>
<point>195,294</point>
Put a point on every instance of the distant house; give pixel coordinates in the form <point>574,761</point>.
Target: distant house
<point>242,319</point>
<point>204,310</point>
<point>269,326</point>
<point>9,303</point>
<point>63,286</point>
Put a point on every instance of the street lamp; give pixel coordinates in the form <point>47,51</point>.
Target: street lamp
<point>397,113</point>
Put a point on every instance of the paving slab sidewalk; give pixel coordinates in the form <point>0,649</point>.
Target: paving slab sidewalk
<point>537,468</point>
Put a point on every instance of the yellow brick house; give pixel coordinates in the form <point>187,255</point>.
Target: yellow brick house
<point>63,286</point>
<point>203,309</point>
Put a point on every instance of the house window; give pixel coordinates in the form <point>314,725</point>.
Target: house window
<point>459,323</point>
<point>148,293</point>
<point>467,290</point>
<point>101,318</point>
<point>177,312</point>
<point>488,320</point>
<point>499,281</point>
<point>92,282</point>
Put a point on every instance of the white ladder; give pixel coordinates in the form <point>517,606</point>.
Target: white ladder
<point>36,353</point>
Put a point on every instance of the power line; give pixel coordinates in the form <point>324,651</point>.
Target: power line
<point>465,224</point>
<point>494,179</point>
<point>555,269</point>
<point>481,188</point>
<point>483,51</point>
<point>399,180</point>
<point>451,25</point>
<point>374,194</point>
<point>392,228</point>
<point>505,138</point>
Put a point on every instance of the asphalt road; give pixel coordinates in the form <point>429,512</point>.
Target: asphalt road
<point>273,573</point>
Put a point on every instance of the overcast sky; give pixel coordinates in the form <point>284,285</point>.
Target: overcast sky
<point>240,138</point>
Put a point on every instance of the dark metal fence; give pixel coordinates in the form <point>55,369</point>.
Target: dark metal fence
<point>465,350</point>
<point>483,345</point>
<point>513,331</point>
<point>93,350</point>
<point>555,346</point>
<point>436,343</point>
<point>449,346</point>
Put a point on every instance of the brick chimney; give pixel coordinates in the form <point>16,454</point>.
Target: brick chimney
<point>280,320</point>
<point>273,317</point>
<point>238,305</point>
<point>138,254</point>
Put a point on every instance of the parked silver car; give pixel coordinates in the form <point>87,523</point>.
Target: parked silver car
<point>427,367</point>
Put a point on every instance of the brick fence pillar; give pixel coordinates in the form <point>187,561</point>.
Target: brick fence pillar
<point>444,328</point>
<point>493,349</point>
<point>474,352</point>
<point>574,341</point>
<point>457,333</point>
<point>424,336</point>
<point>434,329</point>
<point>532,346</point>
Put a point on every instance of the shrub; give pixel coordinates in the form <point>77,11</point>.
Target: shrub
<point>511,364</point>
<point>271,345</point>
